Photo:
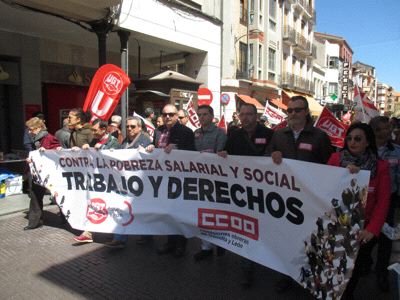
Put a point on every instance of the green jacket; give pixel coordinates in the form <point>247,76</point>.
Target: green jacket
<point>81,136</point>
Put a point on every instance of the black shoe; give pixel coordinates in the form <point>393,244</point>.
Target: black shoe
<point>165,249</point>
<point>179,251</point>
<point>144,239</point>
<point>283,285</point>
<point>202,254</point>
<point>220,251</point>
<point>383,283</point>
<point>30,227</point>
<point>248,280</point>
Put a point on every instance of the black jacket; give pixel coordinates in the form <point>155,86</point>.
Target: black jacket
<point>239,143</point>
<point>312,145</point>
<point>180,135</point>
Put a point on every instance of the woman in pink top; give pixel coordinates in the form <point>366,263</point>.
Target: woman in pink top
<point>360,153</point>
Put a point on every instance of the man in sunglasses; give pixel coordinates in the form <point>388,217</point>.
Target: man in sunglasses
<point>183,116</point>
<point>173,135</point>
<point>300,140</point>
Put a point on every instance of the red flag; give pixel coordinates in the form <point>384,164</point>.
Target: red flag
<point>222,123</point>
<point>281,125</point>
<point>108,84</point>
<point>335,129</point>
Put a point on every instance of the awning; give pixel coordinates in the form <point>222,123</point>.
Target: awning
<point>279,104</point>
<point>313,105</point>
<point>158,93</point>
<point>251,100</point>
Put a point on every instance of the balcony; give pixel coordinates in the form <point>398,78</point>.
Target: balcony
<point>297,83</point>
<point>287,80</point>
<point>302,45</point>
<point>289,35</point>
<point>243,17</point>
<point>242,74</point>
<point>304,5</point>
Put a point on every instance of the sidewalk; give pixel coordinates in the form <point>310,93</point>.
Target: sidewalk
<point>46,264</point>
<point>17,203</point>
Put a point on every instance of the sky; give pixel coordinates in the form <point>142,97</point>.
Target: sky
<point>371,28</point>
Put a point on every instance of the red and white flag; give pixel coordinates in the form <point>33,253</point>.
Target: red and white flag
<point>106,88</point>
<point>364,109</point>
<point>335,129</point>
<point>281,125</point>
<point>222,123</point>
<point>193,117</point>
<point>274,115</point>
<point>149,126</point>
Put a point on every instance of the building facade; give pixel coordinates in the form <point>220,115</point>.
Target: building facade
<point>365,76</point>
<point>338,56</point>
<point>50,61</point>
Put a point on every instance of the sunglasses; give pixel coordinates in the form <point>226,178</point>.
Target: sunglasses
<point>180,118</point>
<point>356,138</point>
<point>168,114</point>
<point>297,109</point>
<point>131,126</point>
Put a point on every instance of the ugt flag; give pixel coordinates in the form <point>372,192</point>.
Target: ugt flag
<point>335,129</point>
<point>108,84</point>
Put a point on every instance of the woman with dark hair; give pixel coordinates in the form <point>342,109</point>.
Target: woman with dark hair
<point>360,153</point>
<point>42,140</point>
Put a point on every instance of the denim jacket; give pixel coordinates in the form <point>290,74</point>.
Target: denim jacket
<point>391,153</point>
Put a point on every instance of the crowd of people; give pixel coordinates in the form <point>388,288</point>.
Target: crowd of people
<point>371,147</point>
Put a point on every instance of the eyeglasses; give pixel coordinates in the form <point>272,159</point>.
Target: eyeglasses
<point>356,138</point>
<point>131,126</point>
<point>181,117</point>
<point>297,109</point>
<point>168,114</point>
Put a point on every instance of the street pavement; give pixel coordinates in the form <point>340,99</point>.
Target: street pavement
<point>46,264</point>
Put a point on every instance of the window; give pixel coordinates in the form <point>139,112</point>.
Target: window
<point>271,59</point>
<point>251,54</point>
<point>243,13</point>
<point>272,9</point>
<point>260,56</point>
<point>272,25</point>
<point>333,62</point>
<point>242,57</point>
<point>333,88</point>
<point>271,76</point>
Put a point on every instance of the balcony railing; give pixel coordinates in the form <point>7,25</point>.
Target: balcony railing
<point>289,34</point>
<point>303,44</point>
<point>306,6</point>
<point>297,83</point>
<point>242,74</point>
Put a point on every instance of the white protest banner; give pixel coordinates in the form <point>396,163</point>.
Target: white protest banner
<point>272,214</point>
